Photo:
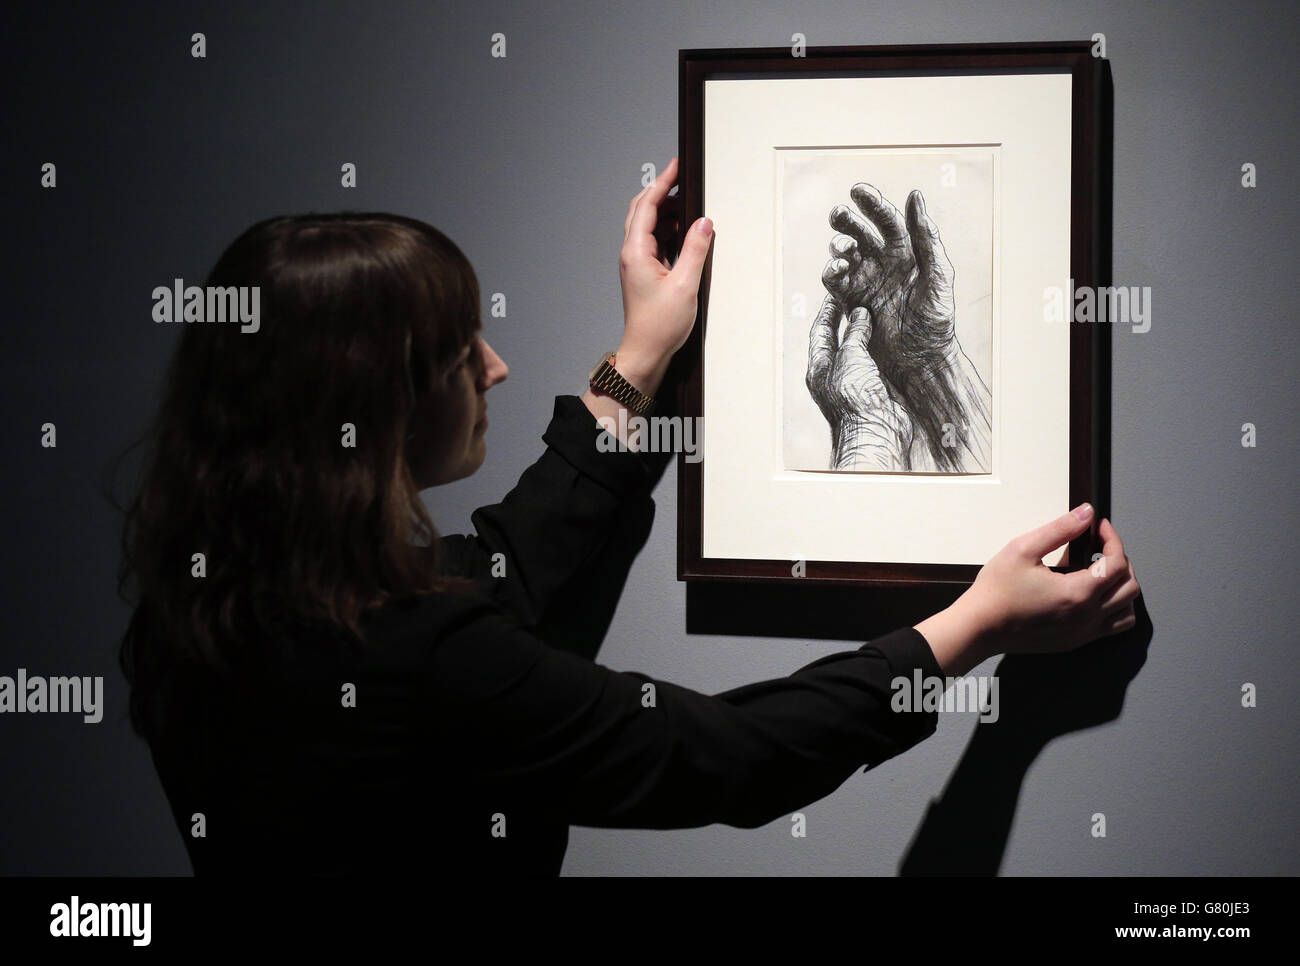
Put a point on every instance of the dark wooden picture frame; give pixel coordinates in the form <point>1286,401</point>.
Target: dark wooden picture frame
<point>1089,344</point>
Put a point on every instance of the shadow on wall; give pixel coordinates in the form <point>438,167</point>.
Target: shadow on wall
<point>1040,697</point>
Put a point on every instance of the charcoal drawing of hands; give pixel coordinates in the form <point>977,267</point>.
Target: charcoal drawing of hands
<point>895,269</point>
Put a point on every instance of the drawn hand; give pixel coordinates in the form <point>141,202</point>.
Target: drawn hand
<point>869,428</point>
<point>899,270</point>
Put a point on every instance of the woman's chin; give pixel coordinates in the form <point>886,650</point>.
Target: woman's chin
<point>474,459</point>
<point>468,466</point>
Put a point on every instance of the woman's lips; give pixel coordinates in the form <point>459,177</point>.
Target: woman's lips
<point>482,423</point>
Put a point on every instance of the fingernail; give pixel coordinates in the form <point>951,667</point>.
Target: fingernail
<point>1083,512</point>
<point>704,226</point>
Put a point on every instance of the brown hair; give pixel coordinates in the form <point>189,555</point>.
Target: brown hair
<point>361,316</point>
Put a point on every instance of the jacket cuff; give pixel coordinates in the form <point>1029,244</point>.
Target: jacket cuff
<point>575,434</point>
<point>906,651</point>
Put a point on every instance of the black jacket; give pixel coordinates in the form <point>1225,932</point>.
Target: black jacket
<point>474,743</point>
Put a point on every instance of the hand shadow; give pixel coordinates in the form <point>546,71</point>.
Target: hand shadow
<point>1040,697</point>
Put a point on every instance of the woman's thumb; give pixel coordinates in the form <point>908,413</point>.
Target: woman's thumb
<point>695,249</point>
<point>1041,541</point>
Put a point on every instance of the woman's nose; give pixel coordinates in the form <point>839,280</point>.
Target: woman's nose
<point>494,367</point>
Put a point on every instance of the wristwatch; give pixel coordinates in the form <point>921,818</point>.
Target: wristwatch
<point>606,379</point>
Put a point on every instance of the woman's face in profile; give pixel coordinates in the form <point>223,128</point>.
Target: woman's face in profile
<point>448,442</point>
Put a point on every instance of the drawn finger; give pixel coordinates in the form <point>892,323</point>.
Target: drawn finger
<point>845,219</point>
<point>881,213</point>
<point>843,246</point>
<point>835,276</point>
<point>821,339</point>
<point>853,350</point>
<point>933,266</point>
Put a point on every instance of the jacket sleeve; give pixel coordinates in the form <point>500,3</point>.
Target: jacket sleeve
<point>569,739</point>
<point>555,517</point>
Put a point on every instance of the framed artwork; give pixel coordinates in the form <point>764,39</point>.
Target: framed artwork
<point>889,378</point>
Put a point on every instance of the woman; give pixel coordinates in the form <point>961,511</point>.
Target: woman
<point>327,686</point>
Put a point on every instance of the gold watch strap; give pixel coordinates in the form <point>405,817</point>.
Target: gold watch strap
<point>610,381</point>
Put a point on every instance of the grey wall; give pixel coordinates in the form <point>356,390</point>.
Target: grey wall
<point>528,163</point>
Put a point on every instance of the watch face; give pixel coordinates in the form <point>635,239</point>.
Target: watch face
<point>604,357</point>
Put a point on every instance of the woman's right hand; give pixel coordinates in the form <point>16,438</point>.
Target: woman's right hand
<point>1026,607</point>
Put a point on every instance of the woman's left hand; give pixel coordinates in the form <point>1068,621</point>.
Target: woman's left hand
<point>659,303</point>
